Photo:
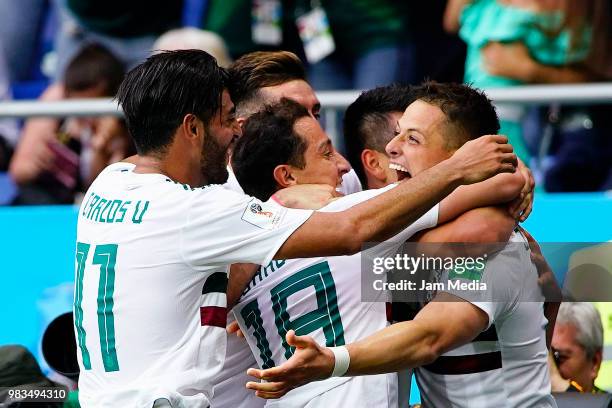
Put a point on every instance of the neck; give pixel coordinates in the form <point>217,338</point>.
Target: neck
<point>176,170</point>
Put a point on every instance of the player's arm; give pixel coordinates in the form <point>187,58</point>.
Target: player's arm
<point>501,189</point>
<point>478,228</point>
<point>240,275</point>
<point>340,233</point>
<point>399,346</point>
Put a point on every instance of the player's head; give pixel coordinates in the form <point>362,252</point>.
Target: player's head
<point>282,145</point>
<point>369,124</point>
<point>441,119</point>
<point>177,99</point>
<point>578,342</point>
<point>264,77</point>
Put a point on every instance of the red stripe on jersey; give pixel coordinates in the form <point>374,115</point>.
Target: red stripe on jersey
<point>213,316</point>
<point>468,364</point>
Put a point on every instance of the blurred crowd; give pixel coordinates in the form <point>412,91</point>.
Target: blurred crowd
<point>63,49</point>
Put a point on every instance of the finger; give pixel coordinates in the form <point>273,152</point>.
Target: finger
<point>266,386</point>
<point>505,148</point>
<point>507,168</point>
<point>271,395</point>
<point>510,158</point>
<point>232,327</point>
<point>267,374</point>
<point>526,210</point>
<point>501,139</point>
<point>297,341</point>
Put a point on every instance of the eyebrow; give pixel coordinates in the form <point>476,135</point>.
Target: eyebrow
<point>323,145</point>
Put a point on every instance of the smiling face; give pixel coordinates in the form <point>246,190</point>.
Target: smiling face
<point>420,140</point>
<point>322,163</point>
<point>220,135</point>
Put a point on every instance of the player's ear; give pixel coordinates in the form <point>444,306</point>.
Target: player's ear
<point>241,121</point>
<point>372,165</point>
<point>284,176</point>
<point>192,127</point>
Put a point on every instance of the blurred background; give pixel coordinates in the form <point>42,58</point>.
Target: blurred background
<point>547,64</point>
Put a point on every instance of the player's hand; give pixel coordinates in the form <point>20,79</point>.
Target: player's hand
<point>521,207</point>
<point>234,328</point>
<point>306,196</point>
<point>310,362</point>
<point>482,158</point>
<point>546,277</point>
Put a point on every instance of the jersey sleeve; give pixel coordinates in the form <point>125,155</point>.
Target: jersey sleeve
<point>224,227</point>
<point>350,183</point>
<point>427,220</point>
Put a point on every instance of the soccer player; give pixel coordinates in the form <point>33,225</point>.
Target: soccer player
<point>264,77</point>
<point>283,146</point>
<point>257,79</point>
<point>508,372</point>
<point>155,235</point>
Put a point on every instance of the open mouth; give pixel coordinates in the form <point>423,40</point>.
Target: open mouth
<point>402,172</point>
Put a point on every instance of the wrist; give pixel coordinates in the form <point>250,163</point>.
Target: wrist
<point>453,172</point>
<point>342,360</point>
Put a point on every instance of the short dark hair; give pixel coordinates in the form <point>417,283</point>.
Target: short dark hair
<point>92,66</point>
<point>260,69</point>
<point>365,118</point>
<point>467,109</point>
<point>157,94</point>
<point>268,139</point>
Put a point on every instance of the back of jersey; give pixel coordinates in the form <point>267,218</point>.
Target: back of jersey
<point>131,276</point>
<point>151,276</point>
<point>506,365</point>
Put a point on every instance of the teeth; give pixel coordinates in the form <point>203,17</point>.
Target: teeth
<point>395,166</point>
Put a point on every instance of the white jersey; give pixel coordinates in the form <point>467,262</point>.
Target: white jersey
<point>320,297</point>
<point>350,183</point>
<point>151,273</point>
<point>229,387</point>
<point>506,365</point>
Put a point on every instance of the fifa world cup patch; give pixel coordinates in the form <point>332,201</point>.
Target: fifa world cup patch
<point>263,215</point>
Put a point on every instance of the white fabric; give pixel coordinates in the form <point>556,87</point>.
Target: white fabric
<point>510,302</point>
<point>170,239</point>
<point>354,319</point>
<point>350,183</point>
<point>230,389</point>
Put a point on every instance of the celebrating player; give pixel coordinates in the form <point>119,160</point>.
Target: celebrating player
<point>155,235</point>
<point>511,372</point>
<point>283,146</point>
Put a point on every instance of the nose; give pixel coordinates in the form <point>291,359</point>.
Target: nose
<point>393,147</point>
<point>343,164</point>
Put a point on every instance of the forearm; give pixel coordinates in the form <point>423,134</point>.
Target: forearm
<point>399,346</point>
<point>419,341</point>
<point>479,229</point>
<point>240,275</point>
<point>376,219</point>
<point>500,189</point>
